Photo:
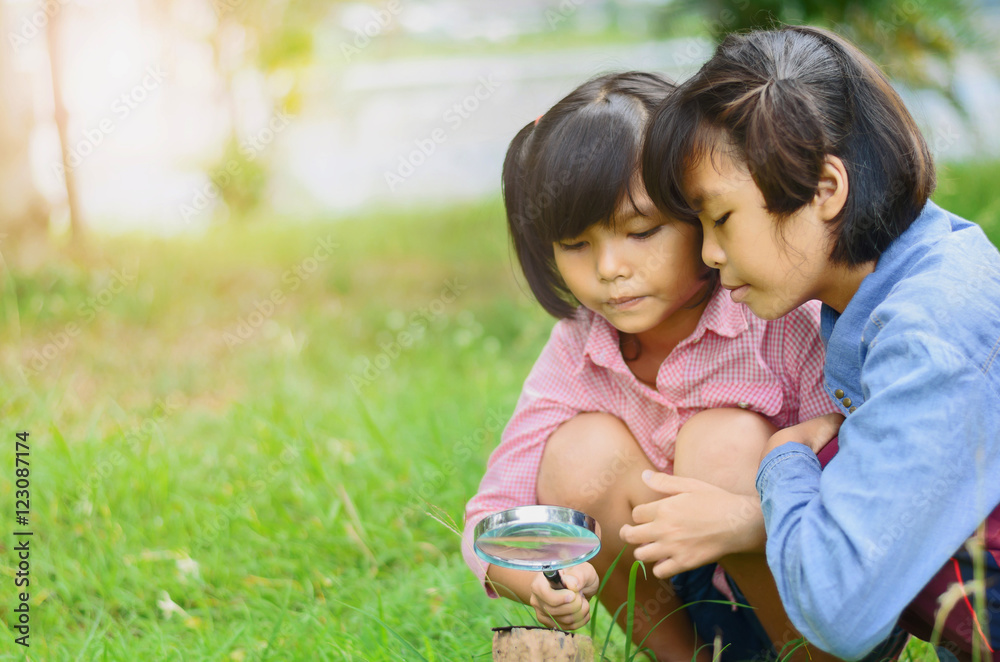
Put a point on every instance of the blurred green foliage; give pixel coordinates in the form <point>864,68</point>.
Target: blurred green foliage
<point>916,42</point>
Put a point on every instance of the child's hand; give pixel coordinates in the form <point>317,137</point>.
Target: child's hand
<point>697,523</point>
<point>568,608</point>
<point>814,433</point>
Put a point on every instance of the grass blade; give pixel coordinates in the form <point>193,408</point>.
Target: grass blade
<point>630,615</point>
<point>600,590</point>
<point>607,639</point>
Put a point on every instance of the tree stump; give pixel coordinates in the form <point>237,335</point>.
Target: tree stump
<point>535,644</point>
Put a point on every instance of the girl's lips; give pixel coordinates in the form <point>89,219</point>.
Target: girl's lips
<point>624,302</point>
<point>739,293</point>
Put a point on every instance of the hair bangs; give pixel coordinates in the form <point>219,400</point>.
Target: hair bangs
<point>576,188</point>
<point>679,137</point>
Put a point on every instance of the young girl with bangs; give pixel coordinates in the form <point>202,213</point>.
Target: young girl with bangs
<point>811,181</point>
<point>651,367</point>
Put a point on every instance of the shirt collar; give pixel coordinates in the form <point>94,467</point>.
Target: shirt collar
<point>721,316</point>
<point>602,344</point>
<point>842,332</point>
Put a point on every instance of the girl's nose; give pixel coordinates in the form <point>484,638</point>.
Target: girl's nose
<point>612,261</point>
<point>711,253</point>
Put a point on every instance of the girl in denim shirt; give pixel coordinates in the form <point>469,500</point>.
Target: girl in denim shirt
<point>811,181</point>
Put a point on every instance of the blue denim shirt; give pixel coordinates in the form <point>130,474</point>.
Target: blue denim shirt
<point>913,363</point>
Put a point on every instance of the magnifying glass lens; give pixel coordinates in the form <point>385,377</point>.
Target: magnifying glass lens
<point>547,545</point>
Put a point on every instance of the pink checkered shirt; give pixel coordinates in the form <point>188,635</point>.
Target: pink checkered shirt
<point>732,359</point>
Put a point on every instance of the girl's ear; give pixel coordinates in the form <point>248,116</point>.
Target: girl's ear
<point>831,193</point>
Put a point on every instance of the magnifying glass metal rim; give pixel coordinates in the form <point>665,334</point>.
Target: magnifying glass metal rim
<point>538,515</point>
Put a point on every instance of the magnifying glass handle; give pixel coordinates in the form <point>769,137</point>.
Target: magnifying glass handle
<point>555,581</point>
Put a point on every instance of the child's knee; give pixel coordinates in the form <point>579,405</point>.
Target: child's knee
<point>586,460</point>
<point>722,447</point>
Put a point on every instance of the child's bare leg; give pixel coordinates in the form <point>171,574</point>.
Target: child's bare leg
<point>722,447</point>
<point>592,463</point>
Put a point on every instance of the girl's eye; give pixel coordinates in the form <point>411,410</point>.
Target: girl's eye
<point>722,220</point>
<point>572,247</point>
<point>648,233</point>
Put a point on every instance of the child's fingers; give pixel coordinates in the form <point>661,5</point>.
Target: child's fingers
<point>540,587</point>
<point>669,484</point>
<point>581,578</point>
<point>640,534</point>
<point>566,616</point>
<point>543,619</point>
<point>564,609</point>
<point>666,568</point>
<point>645,513</point>
<point>578,620</point>
<point>652,553</point>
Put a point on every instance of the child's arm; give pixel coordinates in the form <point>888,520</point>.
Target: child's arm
<point>567,608</point>
<point>549,398</point>
<point>908,487</point>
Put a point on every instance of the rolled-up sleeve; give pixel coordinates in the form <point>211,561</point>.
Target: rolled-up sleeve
<point>550,397</point>
<point>852,545</point>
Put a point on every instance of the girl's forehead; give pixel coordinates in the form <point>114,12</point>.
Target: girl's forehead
<point>712,173</point>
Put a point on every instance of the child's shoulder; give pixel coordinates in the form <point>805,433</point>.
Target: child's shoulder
<point>583,339</point>
<point>950,272</point>
<point>942,285</point>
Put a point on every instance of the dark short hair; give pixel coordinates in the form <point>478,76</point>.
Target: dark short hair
<point>572,168</point>
<point>780,101</point>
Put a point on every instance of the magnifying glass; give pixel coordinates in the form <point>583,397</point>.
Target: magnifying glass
<point>542,539</point>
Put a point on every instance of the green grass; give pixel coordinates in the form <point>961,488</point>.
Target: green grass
<point>155,440</point>
<point>289,510</point>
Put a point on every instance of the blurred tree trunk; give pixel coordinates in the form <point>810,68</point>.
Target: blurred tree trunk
<point>24,212</point>
<point>62,124</point>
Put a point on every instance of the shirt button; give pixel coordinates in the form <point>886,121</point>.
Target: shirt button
<point>742,405</point>
<point>847,402</point>
<point>839,393</point>
<point>851,410</point>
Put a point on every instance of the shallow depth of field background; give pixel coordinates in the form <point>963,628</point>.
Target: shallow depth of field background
<point>257,306</point>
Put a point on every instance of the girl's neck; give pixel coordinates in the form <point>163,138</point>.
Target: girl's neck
<point>646,351</point>
<point>844,284</point>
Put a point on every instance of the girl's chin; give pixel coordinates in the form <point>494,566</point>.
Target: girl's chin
<point>768,309</point>
<point>632,326</point>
